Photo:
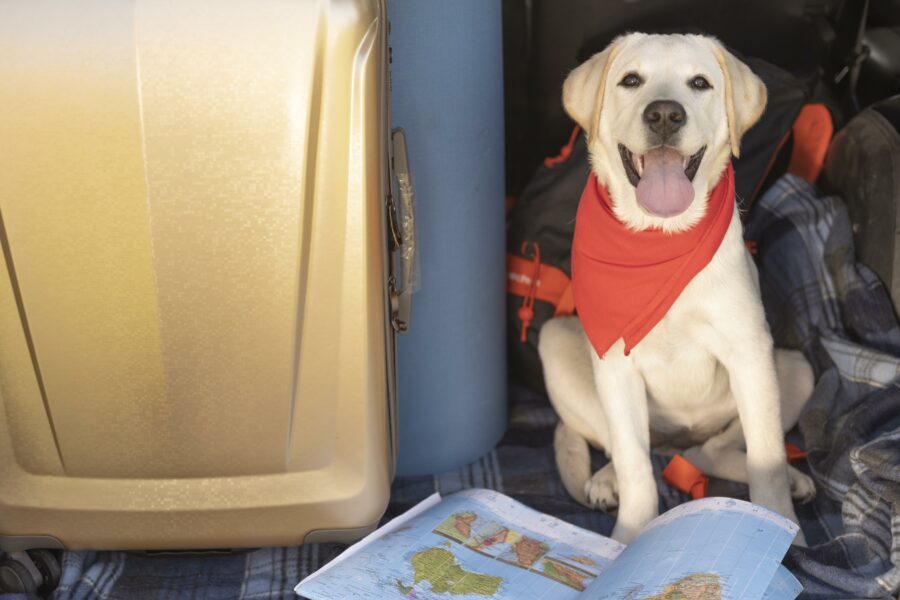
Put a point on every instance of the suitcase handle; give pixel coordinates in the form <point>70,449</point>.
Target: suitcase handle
<point>404,233</point>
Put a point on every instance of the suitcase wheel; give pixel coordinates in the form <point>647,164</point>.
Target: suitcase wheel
<point>51,571</point>
<point>16,578</point>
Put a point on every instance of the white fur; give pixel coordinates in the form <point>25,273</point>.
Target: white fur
<point>705,377</point>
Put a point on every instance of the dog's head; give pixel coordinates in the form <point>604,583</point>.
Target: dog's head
<point>662,113</point>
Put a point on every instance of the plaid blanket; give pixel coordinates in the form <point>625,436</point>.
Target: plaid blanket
<point>817,299</point>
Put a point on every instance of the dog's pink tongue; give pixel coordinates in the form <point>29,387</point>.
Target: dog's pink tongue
<point>664,189</point>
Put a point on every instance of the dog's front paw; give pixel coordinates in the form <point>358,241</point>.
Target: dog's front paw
<point>803,488</point>
<point>602,490</point>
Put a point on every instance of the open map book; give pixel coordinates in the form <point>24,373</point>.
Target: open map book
<point>480,544</point>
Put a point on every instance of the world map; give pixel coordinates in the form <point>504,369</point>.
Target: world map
<point>481,546</point>
<point>497,540</point>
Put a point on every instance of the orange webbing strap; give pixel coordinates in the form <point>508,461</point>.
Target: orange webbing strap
<point>566,304</point>
<point>794,453</point>
<point>685,477</point>
<point>565,151</point>
<point>812,133</point>
<point>533,280</point>
<point>551,284</point>
<point>526,311</point>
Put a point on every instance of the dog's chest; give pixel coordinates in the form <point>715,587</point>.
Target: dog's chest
<point>688,389</point>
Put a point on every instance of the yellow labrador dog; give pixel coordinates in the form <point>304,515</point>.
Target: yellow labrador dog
<point>706,378</point>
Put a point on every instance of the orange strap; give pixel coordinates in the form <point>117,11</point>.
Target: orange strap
<point>812,133</point>
<point>685,477</point>
<point>794,453</point>
<point>565,151</point>
<point>533,280</point>
<point>566,305</point>
<point>552,284</point>
<point>526,311</point>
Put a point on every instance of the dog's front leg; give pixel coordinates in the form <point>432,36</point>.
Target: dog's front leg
<point>746,351</point>
<point>755,388</point>
<point>623,397</point>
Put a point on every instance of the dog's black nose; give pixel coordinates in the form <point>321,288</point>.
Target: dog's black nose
<point>664,117</point>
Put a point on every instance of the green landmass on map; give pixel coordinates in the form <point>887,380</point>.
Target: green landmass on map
<point>698,586</point>
<point>404,589</point>
<point>440,568</point>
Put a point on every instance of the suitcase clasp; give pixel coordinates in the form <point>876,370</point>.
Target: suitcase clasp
<point>401,219</point>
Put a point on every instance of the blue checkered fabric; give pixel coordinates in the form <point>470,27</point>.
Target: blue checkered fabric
<point>819,299</point>
<point>816,298</point>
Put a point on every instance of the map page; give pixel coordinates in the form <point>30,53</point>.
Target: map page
<point>473,545</point>
<point>480,544</point>
<point>709,549</point>
<point>784,586</point>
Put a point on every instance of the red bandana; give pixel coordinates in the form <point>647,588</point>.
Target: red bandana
<point>624,281</point>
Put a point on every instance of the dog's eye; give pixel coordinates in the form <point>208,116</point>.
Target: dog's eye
<point>699,83</point>
<point>632,80</point>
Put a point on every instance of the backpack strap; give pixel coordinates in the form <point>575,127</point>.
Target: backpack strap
<point>682,475</point>
<point>812,131</point>
<point>794,453</point>
<point>809,136</point>
<point>533,280</point>
<point>566,305</point>
<point>565,151</point>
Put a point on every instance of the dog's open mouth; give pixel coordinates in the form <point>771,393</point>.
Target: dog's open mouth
<point>634,165</point>
<point>662,178</point>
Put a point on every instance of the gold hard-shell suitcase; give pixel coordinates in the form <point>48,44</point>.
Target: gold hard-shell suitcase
<point>197,306</point>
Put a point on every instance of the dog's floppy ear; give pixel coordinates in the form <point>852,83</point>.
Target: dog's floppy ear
<point>583,88</point>
<point>745,95</point>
